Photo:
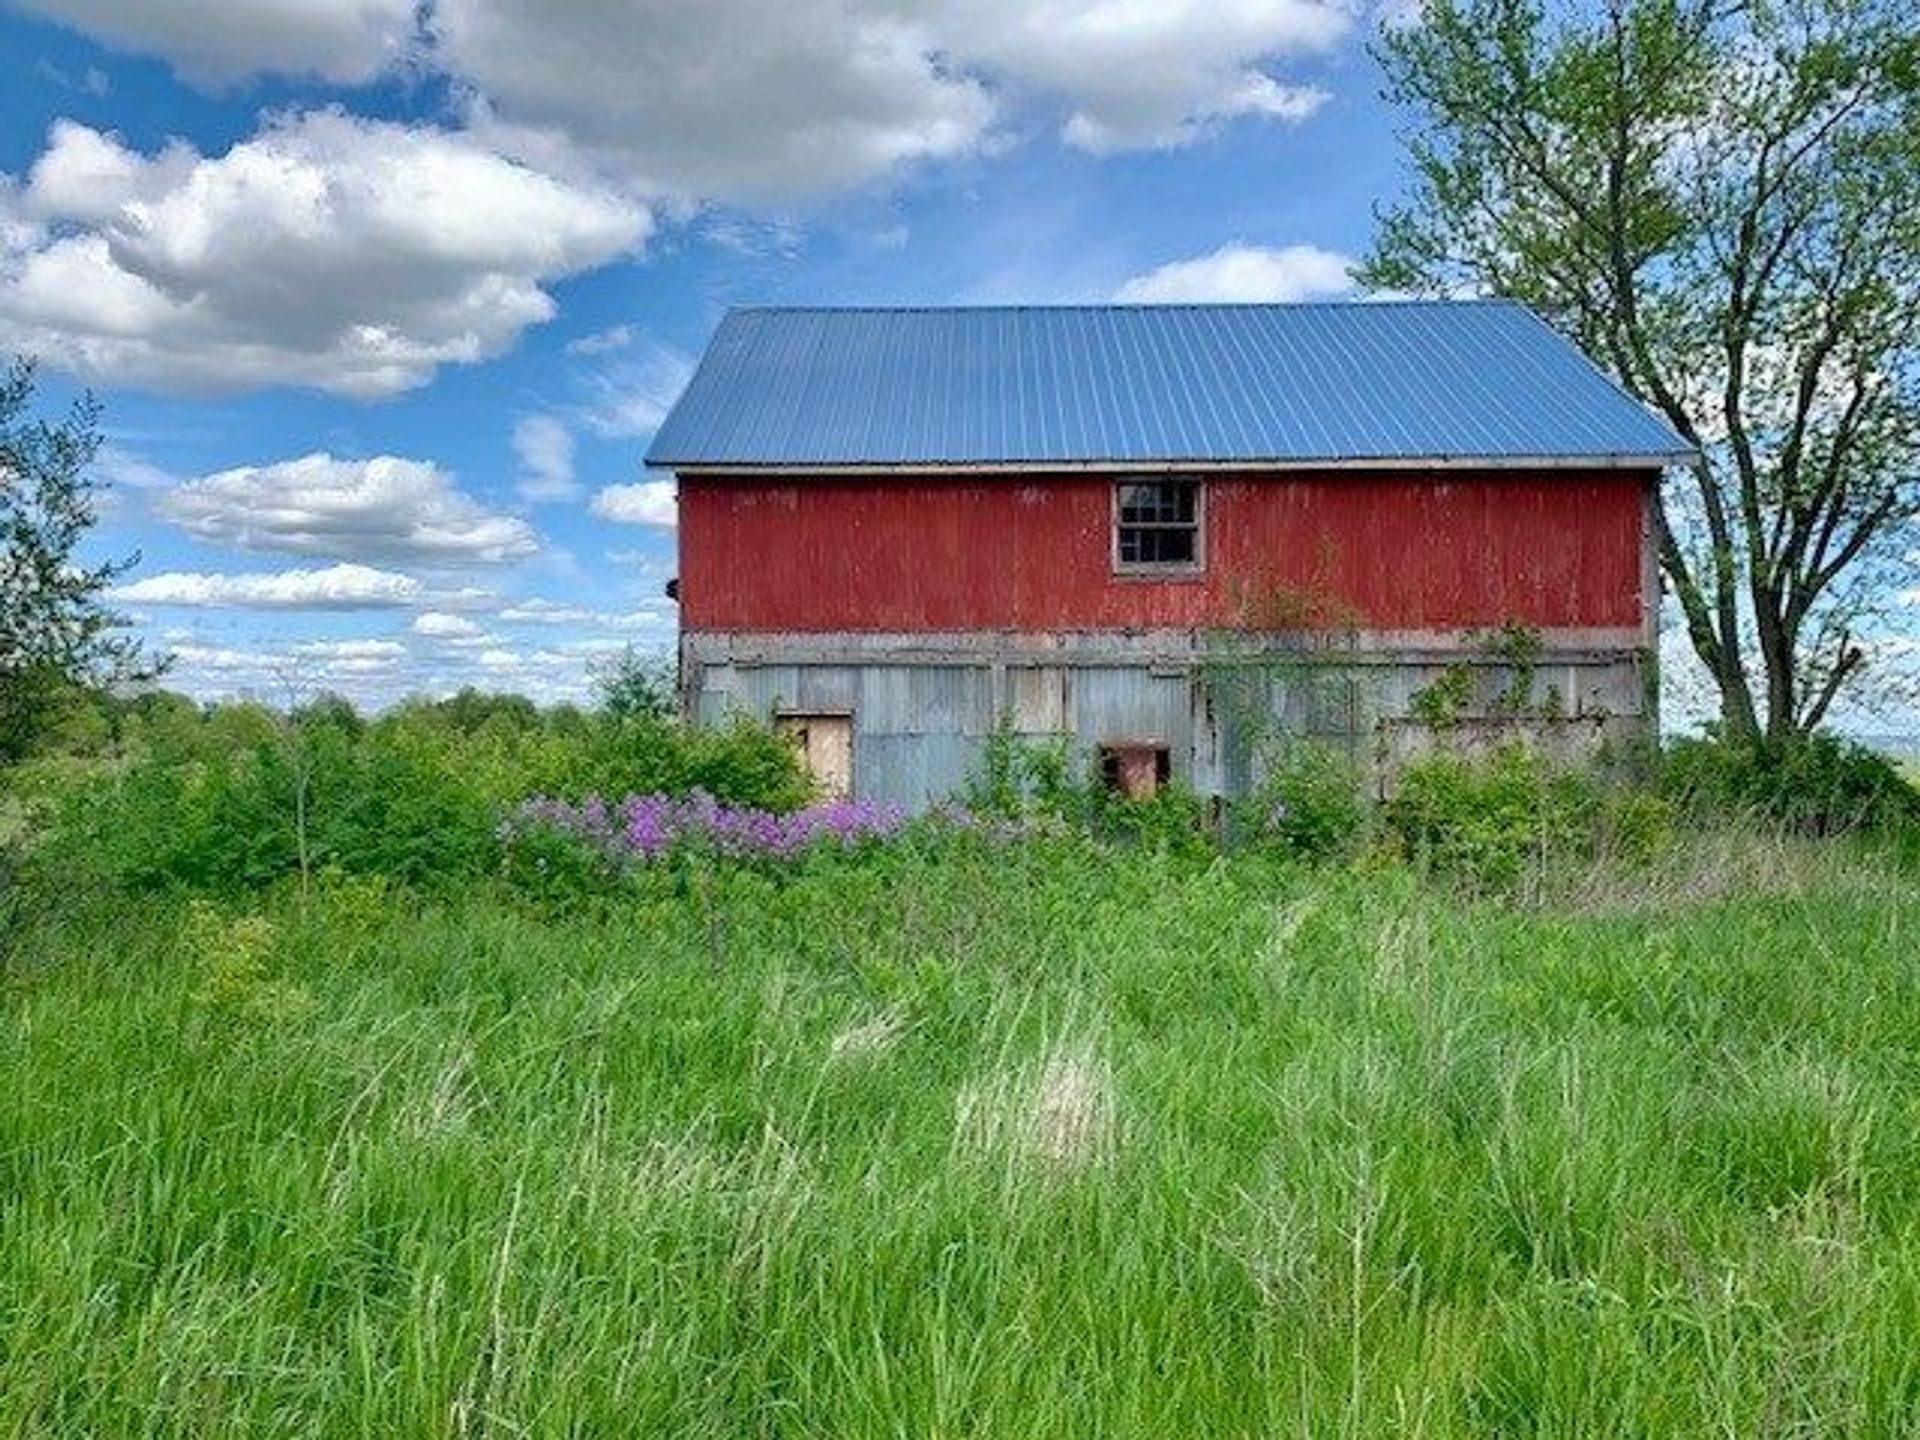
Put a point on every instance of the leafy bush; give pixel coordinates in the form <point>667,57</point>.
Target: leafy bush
<point>1172,819</point>
<point>1311,803</point>
<point>1497,821</point>
<point>1492,820</point>
<point>635,685</point>
<point>1812,785</point>
<point>557,869</point>
<point>233,958</point>
<point>1637,825</point>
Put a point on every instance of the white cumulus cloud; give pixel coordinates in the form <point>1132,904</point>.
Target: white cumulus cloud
<point>754,100</point>
<point>380,509</point>
<point>649,502</point>
<point>339,40</point>
<point>1139,74</point>
<point>1246,273</point>
<point>336,587</point>
<point>751,100</point>
<point>349,255</point>
<point>768,101</point>
<point>357,256</point>
<point>448,629</point>
<point>352,657</point>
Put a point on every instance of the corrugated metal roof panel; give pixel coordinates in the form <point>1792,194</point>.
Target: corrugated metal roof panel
<point>1228,384</point>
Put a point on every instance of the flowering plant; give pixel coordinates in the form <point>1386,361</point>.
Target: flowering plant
<point>650,827</point>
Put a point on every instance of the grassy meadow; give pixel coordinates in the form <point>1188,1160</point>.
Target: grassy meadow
<point>1025,1140</point>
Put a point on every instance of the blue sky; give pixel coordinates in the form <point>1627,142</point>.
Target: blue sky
<point>384,299</point>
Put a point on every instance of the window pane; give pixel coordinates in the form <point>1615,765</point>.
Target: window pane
<point>1169,547</point>
<point>1162,502</point>
<point>1136,503</point>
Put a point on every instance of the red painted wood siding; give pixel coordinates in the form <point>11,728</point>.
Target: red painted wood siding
<point>1412,551</point>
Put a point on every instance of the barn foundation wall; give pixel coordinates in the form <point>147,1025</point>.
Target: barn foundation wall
<point>923,704</point>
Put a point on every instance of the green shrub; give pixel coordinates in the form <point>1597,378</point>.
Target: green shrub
<point>557,872</point>
<point>468,711</point>
<point>631,684</point>
<point>1811,785</point>
<point>400,806</point>
<point>233,961</point>
<point>1496,819</point>
<point>1171,820</point>
<point>1311,803</point>
<point>1038,784</point>
<point>738,764</point>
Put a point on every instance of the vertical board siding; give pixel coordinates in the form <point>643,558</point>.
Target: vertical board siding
<point>1398,551</point>
<point>915,770</point>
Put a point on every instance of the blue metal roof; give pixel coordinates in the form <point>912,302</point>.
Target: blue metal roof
<point>1413,381</point>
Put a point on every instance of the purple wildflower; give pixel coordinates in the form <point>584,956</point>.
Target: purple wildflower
<point>648,827</point>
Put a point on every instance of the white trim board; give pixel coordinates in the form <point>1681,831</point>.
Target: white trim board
<point>882,469</point>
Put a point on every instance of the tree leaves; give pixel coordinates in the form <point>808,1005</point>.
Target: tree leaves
<point>55,630</point>
<point>1720,202</point>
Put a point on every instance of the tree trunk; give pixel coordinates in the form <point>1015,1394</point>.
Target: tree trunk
<point>1738,718</point>
<point>1777,658</point>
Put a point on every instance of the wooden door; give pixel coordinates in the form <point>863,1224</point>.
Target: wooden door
<point>824,744</point>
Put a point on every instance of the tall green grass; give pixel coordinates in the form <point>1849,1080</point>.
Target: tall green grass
<point>1043,1141</point>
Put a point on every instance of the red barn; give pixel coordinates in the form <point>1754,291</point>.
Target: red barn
<point>1171,533</point>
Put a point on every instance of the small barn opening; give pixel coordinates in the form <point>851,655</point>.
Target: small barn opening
<point>823,744</point>
<point>1135,769</point>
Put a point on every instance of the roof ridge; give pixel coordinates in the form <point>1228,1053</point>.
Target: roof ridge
<point>1085,307</point>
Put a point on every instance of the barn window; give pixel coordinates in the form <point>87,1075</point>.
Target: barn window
<point>1156,527</point>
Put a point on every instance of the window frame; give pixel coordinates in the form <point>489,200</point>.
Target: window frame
<point>1156,569</point>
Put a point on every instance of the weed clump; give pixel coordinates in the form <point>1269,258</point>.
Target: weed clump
<point>232,958</point>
